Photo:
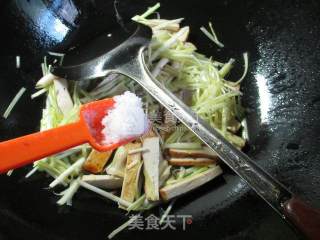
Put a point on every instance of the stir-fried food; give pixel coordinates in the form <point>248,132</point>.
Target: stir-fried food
<point>169,160</point>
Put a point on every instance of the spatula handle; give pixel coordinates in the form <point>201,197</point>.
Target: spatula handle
<point>304,217</point>
<point>27,149</point>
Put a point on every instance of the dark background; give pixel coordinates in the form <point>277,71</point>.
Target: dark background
<point>281,94</point>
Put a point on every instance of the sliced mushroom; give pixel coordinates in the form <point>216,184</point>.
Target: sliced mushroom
<point>118,164</point>
<point>185,185</point>
<point>139,181</point>
<point>151,158</point>
<point>191,161</point>
<point>205,152</point>
<point>103,181</point>
<point>132,173</point>
<point>96,161</point>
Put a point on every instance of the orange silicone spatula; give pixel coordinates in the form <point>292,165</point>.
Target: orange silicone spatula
<point>27,149</point>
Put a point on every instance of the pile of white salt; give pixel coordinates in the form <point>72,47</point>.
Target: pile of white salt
<point>125,120</point>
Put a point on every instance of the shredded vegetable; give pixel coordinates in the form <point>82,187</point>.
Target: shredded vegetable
<point>68,193</point>
<point>14,102</point>
<point>123,226</point>
<point>18,61</point>
<point>9,173</point>
<point>167,211</point>
<point>105,194</point>
<point>74,167</point>
<point>211,35</point>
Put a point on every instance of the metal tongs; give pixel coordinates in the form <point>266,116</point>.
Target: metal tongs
<point>128,59</point>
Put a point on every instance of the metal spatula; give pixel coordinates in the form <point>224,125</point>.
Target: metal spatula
<point>128,59</point>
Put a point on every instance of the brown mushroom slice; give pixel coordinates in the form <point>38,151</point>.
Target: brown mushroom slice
<point>103,181</point>
<point>132,173</point>
<point>185,185</point>
<point>151,159</point>
<point>191,161</point>
<point>118,164</point>
<point>139,182</point>
<point>205,152</point>
<point>96,161</point>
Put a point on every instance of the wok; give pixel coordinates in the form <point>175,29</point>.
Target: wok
<point>280,94</point>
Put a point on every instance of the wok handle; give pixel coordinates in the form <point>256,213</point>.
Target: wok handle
<point>303,216</point>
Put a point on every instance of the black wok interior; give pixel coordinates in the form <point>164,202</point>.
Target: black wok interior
<point>281,95</point>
